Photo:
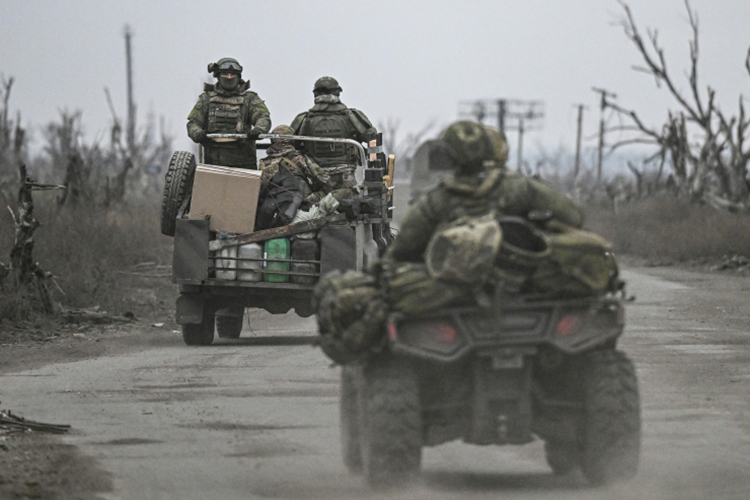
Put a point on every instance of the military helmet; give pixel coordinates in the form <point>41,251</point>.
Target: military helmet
<point>327,83</point>
<point>500,145</point>
<point>225,64</point>
<point>469,144</point>
<point>282,130</point>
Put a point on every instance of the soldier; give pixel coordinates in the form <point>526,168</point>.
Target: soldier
<point>479,185</point>
<point>329,117</point>
<point>283,156</point>
<point>229,107</point>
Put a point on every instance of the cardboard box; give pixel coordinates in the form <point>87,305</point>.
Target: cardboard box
<point>228,195</point>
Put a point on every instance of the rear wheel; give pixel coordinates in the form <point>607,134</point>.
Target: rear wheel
<point>229,323</point>
<point>177,185</point>
<point>351,451</point>
<point>201,333</point>
<point>610,438</point>
<point>390,422</point>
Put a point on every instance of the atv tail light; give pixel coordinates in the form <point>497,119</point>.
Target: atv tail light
<point>569,325</point>
<point>438,336</point>
<point>392,332</point>
<point>445,332</point>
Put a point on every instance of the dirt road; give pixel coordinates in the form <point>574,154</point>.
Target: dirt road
<point>258,418</point>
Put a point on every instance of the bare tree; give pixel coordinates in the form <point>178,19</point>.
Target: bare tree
<point>713,168</point>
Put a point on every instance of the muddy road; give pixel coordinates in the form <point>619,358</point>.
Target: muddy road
<point>258,417</point>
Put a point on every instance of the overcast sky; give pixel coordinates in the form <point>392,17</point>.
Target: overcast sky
<point>412,61</point>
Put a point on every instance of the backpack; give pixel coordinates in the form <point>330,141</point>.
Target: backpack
<point>464,251</point>
<point>279,200</point>
<point>351,315</point>
<point>410,289</point>
<point>581,263</point>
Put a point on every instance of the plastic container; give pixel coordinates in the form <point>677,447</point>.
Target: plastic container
<point>226,263</point>
<point>249,270</point>
<point>305,249</point>
<point>277,248</point>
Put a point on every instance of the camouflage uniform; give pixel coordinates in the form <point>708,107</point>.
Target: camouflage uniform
<point>330,117</point>
<point>283,155</point>
<point>479,186</point>
<point>234,111</point>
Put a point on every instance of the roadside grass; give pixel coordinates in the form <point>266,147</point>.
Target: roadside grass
<point>668,230</point>
<point>113,258</point>
<point>117,258</point>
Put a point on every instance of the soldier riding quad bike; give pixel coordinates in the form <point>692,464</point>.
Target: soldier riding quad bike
<point>220,274</point>
<point>492,318</point>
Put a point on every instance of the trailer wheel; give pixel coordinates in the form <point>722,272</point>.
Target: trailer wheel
<point>229,324</point>
<point>177,185</point>
<point>201,333</point>
<point>611,428</point>
<point>351,450</point>
<point>561,457</point>
<point>390,422</point>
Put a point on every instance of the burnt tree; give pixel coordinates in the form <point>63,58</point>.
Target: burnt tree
<point>713,168</point>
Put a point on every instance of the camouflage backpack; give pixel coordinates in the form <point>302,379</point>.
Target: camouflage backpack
<point>410,289</point>
<point>351,315</point>
<point>464,251</point>
<point>581,263</point>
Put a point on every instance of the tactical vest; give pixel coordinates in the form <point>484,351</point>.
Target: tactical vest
<point>334,125</point>
<point>225,114</point>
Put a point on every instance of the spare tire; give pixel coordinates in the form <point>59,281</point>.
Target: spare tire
<point>178,184</point>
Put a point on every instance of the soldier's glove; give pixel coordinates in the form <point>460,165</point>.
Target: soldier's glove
<point>253,135</point>
<point>201,137</point>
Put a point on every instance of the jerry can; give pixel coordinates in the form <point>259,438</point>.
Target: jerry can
<point>276,248</point>
<point>305,249</point>
<point>249,270</point>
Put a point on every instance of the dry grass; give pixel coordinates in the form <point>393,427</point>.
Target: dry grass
<point>671,230</point>
<point>114,258</point>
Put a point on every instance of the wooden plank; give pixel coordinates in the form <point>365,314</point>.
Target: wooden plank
<point>276,232</point>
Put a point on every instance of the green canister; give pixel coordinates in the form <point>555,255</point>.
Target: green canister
<point>277,248</point>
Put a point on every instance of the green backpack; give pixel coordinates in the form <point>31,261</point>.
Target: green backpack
<point>581,263</point>
<point>351,315</point>
<point>410,289</point>
<point>464,251</point>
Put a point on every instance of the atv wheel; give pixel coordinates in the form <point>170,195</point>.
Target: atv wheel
<point>177,185</point>
<point>351,451</point>
<point>390,422</point>
<point>201,333</point>
<point>561,457</point>
<point>610,437</point>
<point>229,324</point>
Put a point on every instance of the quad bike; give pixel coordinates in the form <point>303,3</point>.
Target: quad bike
<point>504,374</point>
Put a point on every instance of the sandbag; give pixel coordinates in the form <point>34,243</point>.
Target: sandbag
<point>464,251</point>
<point>581,263</point>
<point>351,314</point>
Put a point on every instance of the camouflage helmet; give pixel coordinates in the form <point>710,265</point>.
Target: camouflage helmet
<point>225,64</point>
<point>282,130</point>
<point>326,83</point>
<point>500,145</point>
<point>469,144</point>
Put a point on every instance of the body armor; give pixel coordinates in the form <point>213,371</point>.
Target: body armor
<point>225,114</point>
<point>336,124</point>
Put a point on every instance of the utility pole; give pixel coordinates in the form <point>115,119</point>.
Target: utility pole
<point>577,166</point>
<point>602,107</point>
<point>511,114</point>
<point>130,130</point>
